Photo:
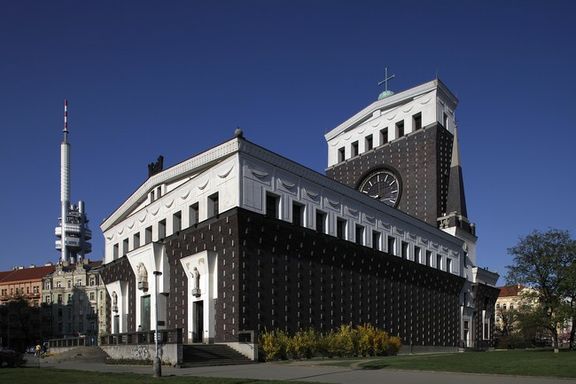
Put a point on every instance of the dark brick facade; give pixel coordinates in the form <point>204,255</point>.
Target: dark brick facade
<point>485,299</point>
<point>120,269</point>
<point>272,274</point>
<point>421,159</point>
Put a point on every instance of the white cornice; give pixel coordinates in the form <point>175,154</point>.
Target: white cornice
<point>178,171</point>
<point>391,102</point>
<point>350,193</point>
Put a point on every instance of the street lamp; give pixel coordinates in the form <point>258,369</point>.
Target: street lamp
<point>157,363</point>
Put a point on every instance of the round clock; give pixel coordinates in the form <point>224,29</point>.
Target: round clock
<point>382,185</point>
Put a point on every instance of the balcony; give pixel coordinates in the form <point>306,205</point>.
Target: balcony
<point>74,229</point>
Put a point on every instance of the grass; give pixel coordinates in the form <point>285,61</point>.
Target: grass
<point>61,376</point>
<point>526,363</point>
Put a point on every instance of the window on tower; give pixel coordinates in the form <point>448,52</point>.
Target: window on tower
<point>320,221</point>
<point>272,205</point>
<point>125,245</point>
<point>341,228</point>
<point>161,229</point>
<point>369,144</point>
<point>354,149</point>
<point>391,245</point>
<point>148,235</point>
<point>297,214</point>
<point>399,129</point>
<point>383,136</point>
<point>341,154</point>
<point>213,206</point>
<point>177,221</point>
<point>376,236</point>
<point>136,240</point>
<point>359,234</point>
<point>194,212</point>
<point>417,121</point>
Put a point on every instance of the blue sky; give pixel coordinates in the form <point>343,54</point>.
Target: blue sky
<point>145,78</point>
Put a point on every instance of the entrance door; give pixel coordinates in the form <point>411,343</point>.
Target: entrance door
<point>145,313</point>
<point>198,330</point>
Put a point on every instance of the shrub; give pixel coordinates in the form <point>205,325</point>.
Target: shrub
<point>274,344</point>
<point>380,343</point>
<point>394,344</point>
<point>366,337</point>
<point>303,344</point>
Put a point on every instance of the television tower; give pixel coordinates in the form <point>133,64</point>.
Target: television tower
<point>72,232</point>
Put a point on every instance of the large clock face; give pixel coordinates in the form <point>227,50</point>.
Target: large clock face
<point>382,185</point>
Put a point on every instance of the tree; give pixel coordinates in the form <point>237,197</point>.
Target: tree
<point>545,261</point>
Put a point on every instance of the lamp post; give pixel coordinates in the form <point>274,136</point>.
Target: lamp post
<point>157,363</point>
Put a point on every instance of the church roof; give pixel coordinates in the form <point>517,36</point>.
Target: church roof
<point>456,200</point>
<point>391,102</point>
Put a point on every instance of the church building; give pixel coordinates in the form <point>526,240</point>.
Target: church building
<point>239,239</point>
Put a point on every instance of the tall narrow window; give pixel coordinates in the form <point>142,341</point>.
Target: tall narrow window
<point>136,240</point>
<point>448,265</point>
<point>405,250</point>
<point>383,136</point>
<point>161,229</point>
<point>213,208</point>
<point>354,151</point>
<point>417,254</point>
<point>359,234</point>
<point>272,206</point>
<point>400,129</point>
<point>376,238</point>
<point>341,228</point>
<point>391,245</point>
<point>428,258</point>
<point>445,120</point>
<point>417,121</point>
<point>115,251</point>
<point>148,235</point>
<point>439,262</point>
<point>194,212</point>
<point>369,144</point>
<point>297,214</point>
<point>341,154</point>
<point>125,246</point>
<point>320,221</point>
<point>177,221</point>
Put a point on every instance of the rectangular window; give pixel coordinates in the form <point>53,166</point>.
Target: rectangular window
<point>391,245</point>
<point>445,120</point>
<point>136,240</point>
<point>359,234</point>
<point>376,237</point>
<point>428,258</point>
<point>400,129</point>
<point>148,235</point>
<point>213,205</point>
<point>272,205</point>
<point>297,214</point>
<point>417,254</point>
<point>417,121</point>
<point>439,262</point>
<point>383,136</point>
<point>161,229</point>
<point>115,251</point>
<point>369,144</point>
<point>341,228</point>
<point>125,245</point>
<point>177,222</point>
<point>194,213</point>
<point>341,154</point>
<point>405,250</point>
<point>354,149</point>
<point>320,221</point>
<point>448,265</point>
<point>92,296</point>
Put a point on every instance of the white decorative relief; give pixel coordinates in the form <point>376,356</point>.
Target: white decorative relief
<point>361,130</point>
<point>259,174</point>
<point>334,204</point>
<point>185,195</point>
<point>334,143</point>
<point>131,225</point>
<point>168,204</point>
<point>110,237</point>
<point>120,231</point>
<point>157,210</point>
<point>312,195</point>
<point>425,100</point>
<point>203,186</point>
<point>353,212</point>
<point>375,122</point>
<point>408,108</point>
<point>143,217</point>
<point>347,136</point>
<point>287,184</point>
<point>370,219</point>
<point>224,174</point>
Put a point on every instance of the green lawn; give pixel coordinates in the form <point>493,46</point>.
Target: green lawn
<point>529,363</point>
<point>58,376</point>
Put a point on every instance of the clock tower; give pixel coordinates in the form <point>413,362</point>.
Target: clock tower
<point>403,150</point>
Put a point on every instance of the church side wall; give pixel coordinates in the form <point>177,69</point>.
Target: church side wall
<point>293,278</point>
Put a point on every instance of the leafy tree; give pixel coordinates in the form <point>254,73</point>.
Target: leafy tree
<point>545,261</point>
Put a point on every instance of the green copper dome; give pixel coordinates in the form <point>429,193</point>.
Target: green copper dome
<point>385,94</point>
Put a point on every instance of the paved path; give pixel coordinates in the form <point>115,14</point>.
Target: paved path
<point>312,373</point>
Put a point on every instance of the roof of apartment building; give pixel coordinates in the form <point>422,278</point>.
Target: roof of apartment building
<point>25,274</point>
<point>510,290</point>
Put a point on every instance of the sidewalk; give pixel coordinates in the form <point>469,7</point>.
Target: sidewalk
<point>302,372</point>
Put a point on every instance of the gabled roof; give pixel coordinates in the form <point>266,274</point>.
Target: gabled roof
<point>25,274</point>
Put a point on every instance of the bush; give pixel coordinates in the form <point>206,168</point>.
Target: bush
<point>345,341</point>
